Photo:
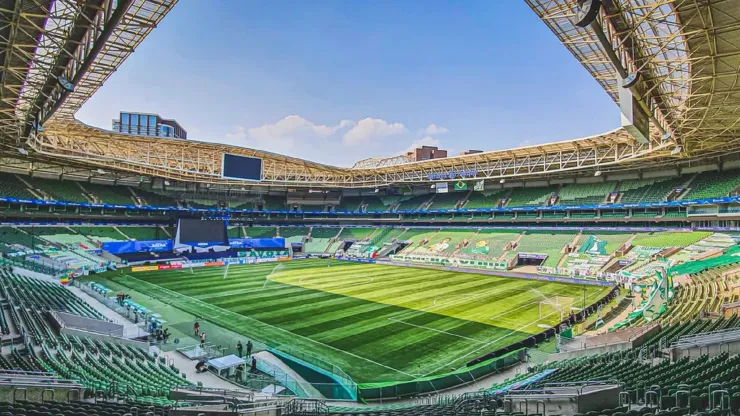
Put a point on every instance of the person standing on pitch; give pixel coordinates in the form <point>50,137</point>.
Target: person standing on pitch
<point>249,348</point>
<point>202,339</point>
<point>254,366</point>
<point>196,328</point>
<point>239,349</point>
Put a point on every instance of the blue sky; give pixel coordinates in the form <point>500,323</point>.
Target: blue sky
<point>339,81</point>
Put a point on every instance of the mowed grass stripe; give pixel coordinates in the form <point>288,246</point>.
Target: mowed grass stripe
<point>384,316</point>
<point>267,333</point>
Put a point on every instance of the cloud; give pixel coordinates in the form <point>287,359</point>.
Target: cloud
<point>294,125</point>
<point>434,129</point>
<point>368,128</point>
<point>425,141</point>
<point>238,133</point>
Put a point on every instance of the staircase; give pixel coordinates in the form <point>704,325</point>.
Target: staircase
<point>518,237</point>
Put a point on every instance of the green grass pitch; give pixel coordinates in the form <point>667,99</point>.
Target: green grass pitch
<point>376,322</point>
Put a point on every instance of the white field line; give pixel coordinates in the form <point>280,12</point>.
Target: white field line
<point>229,293</point>
<point>486,345</point>
<point>303,283</point>
<point>496,340</point>
<point>228,312</point>
<point>435,305</point>
<point>436,330</point>
<point>494,317</point>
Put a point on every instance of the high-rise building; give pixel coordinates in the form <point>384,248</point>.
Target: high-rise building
<point>143,124</point>
<point>426,153</point>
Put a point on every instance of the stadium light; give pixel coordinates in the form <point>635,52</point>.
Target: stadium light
<point>23,151</point>
<point>666,136</point>
<point>502,181</point>
<point>597,173</point>
<point>166,183</point>
<point>677,150</point>
<point>434,185</point>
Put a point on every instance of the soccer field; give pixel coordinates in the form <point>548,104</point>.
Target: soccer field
<point>376,322</point>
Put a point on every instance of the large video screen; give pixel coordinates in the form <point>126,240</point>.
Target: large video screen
<point>241,167</point>
<point>193,231</point>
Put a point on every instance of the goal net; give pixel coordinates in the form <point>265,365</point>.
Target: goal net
<point>557,307</point>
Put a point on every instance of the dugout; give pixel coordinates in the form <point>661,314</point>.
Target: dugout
<point>530,259</point>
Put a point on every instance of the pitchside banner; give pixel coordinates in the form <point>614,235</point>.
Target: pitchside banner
<point>120,247</point>
<point>257,243</point>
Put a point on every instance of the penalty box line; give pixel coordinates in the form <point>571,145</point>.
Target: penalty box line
<point>228,312</point>
<point>436,330</point>
<point>508,334</point>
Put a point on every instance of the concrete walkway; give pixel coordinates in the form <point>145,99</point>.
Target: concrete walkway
<point>130,329</point>
<point>181,362</point>
<point>208,379</point>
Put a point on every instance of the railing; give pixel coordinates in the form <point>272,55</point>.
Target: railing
<point>707,338</point>
<point>343,378</point>
<point>305,407</point>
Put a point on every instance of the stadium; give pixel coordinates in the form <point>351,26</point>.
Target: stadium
<point>146,275</point>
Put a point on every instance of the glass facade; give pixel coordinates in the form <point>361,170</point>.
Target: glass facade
<point>148,125</point>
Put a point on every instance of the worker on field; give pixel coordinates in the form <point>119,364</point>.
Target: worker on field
<point>249,348</point>
<point>196,328</point>
<point>239,348</point>
<point>254,366</point>
<point>202,339</point>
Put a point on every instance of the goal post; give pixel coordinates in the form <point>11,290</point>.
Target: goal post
<point>557,306</point>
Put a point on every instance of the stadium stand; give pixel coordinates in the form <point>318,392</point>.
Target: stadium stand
<point>100,233</point>
<point>57,189</point>
<point>488,244</point>
<point>109,194</point>
<point>155,199</point>
<point>445,242</point>
<point>320,240</point>
<point>486,199</point>
<point>413,203</point>
<point>712,185</point>
<point>293,234</point>
<point>544,242</point>
<point>349,203</point>
<point>374,203</point>
<point>520,197</point>
<point>355,233</point>
<point>693,376</point>
<point>261,232</point>
<point>648,190</point>
<point>666,239</point>
<point>447,201</point>
<point>13,187</point>
<point>269,202</point>
<point>144,233</point>
<point>585,194</point>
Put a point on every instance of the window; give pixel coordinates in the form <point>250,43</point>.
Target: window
<point>152,121</point>
<point>134,119</point>
<point>124,119</point>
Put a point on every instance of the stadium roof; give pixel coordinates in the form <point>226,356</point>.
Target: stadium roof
<point>687,52</point>
<point>47,43</point>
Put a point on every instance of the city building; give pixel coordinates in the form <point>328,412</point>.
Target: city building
<point>426,153</point>
<point>144,124</point>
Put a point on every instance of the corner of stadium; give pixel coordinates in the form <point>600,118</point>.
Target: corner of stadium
<point>160,276</point>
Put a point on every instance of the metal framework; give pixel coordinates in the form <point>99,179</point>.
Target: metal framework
<point>192,161</point>
<point>82,41</point>
<point>688,55</point>
<point>687,52</point>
